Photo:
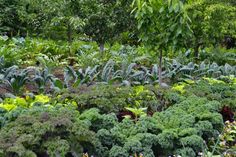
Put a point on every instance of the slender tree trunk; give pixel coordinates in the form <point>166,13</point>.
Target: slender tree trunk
<point>69,33</point>
<point>101,47</point>
<point>69,39</point>
<point>160,68</point>
<point>196,52</point>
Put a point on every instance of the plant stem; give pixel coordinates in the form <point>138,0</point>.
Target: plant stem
<point>160,68</point>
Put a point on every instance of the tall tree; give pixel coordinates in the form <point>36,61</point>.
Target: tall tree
<point>43,17</point>
<point>211,22</point>
<point>10,22</point>
<point>163,24</point>
<point>105,20</point>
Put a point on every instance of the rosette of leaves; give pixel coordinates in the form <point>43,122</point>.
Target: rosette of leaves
<point>14,79</point>
<point>43,79</point>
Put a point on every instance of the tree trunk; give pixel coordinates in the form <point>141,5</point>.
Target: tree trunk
<point>69,33</point>
<point>101,47</point>
<point>196,52</point>
<point>69,37</point>
<point>160,69</point>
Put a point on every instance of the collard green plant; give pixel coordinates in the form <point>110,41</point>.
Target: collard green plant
<point>15,78</point>
<point>107,71</point>
<point>129,74</point>
<point>80,76</point>
<point>42,79</point>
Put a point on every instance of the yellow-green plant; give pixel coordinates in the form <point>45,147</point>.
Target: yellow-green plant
<point>10,104</point>
<point>138,112</point>
<point>179,87</point>
<point>213,80</point>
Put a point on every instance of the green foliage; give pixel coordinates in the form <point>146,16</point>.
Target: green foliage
<point>15,79</point>
<point>111,98</point>
<point>193,141</point>
<point>138,112</point>
<point>227,144</point>
<point>124,69</point>
<point>43,130</point>
<point>10,21</point>
<point>210,22</point>
<point>104,20</point>
<point>80,77</point>
<point>28,51</point>
<point>42,79</point>
<point>180,129</point>
<point>187,151</point>
<point>11,108</point>
<point>221,56</point>
<point>163,23</point>
<point>213,89</point>
<point>93,98</point>
<point>188,124</point>
<point>117,151</point>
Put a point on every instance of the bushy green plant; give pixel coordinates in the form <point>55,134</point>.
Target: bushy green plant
<point>42,79</point>
<point>214,89</point>
<point>55,132</point>
<point>111,98</point>
<point>195,119</point>
<point>14,79</point>
<point>219,55</point>
<point>29,101</point>
<point>11,108</point>
<point>180,129</point>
